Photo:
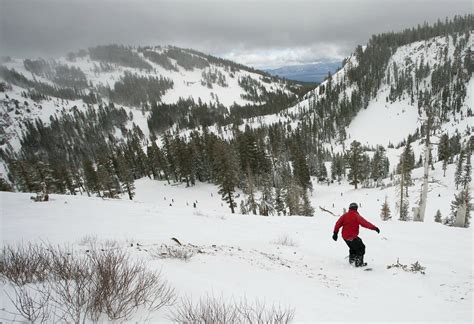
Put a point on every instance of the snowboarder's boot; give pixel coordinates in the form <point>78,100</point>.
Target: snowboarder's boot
<point>359,261</point>
<point>352,259</point>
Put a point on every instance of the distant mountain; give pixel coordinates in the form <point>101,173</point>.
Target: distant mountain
<point>166,85</point>
<point>313,72</point>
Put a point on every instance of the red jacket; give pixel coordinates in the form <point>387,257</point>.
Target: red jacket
<point>350,222</point>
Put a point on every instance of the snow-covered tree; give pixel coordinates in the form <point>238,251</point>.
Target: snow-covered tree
<point>461,209</point>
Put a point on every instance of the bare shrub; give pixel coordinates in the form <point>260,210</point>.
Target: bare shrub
<point>182,252</point>
<point>65,264</point>
<point>284,240</point>
<point>83,286</point>
<point>32,302</point>
<point>214,310</point>
<point>415,267</point>
<point>122,285</point>
<point>24,264</point>
<point>72,285</point>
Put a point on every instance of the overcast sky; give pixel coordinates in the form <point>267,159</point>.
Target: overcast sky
<point>260,33</point>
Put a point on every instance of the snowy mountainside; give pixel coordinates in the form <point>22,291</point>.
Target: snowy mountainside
<point>388,119</point>
<point>41,88</point>
<point>206,78</point>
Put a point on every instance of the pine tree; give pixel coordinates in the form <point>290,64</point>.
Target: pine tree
<point>380,165</point>
<point>301,169</point>
<point>125,176</point>
<point>385,212</point>
<point>402,204</point>
<point>226,173</point>
<point>407,162</point>
<point>458,175</point>
<point>322,172</point>
<point>337,168</point>
<point>438,217</point>
<point>279,201</point>
<point>355,161</point>
<point>466,177</point>
<point>21,174</point>
<point>444,153</point>
<point>90,176</point>
<point>169,155</point>
<point>106,179</point>
<point>249,190</point>
<point>292,198</point>
<point>306,208</point>
<point>184,159</point>
<point>267,202</point>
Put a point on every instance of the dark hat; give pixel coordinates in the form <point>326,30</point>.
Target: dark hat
<point>353,206</point>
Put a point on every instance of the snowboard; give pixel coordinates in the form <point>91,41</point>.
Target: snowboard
<point>363,267</point>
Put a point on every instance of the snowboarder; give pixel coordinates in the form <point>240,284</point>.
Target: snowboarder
<point>350,222</point>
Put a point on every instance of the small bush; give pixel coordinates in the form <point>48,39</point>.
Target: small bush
<point>285,240</point>
<point>182,252</point>
<point>217,311</point>
<point>415,267</point>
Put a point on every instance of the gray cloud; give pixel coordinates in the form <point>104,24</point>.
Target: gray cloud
<point>260,33</point>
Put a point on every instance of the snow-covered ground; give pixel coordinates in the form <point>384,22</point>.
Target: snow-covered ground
<point>242,258</point>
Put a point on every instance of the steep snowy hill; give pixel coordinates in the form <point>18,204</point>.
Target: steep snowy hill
<point>396,108</point>
<point>287,261</point>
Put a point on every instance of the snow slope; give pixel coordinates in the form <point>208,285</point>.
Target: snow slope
<point>241,257</point>
<point>187,83</point>
<point>382,123</point>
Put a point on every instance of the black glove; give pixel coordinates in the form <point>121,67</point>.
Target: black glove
<point>334,236</point>
<point>377,230</point>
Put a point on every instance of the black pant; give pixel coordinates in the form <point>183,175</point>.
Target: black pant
<point>356,251</point>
